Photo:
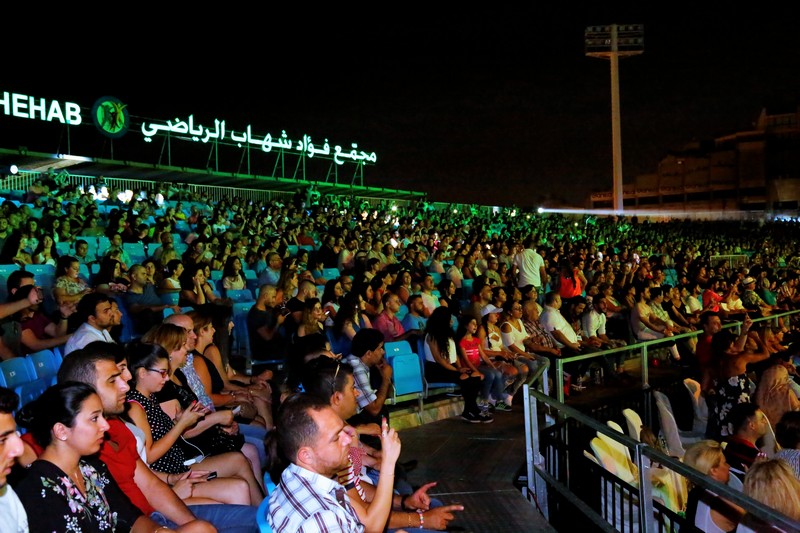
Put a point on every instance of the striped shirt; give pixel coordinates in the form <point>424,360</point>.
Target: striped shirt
<point>305,502</point>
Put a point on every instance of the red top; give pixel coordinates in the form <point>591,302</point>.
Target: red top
<point>122,462</point>
<point>471,349</point>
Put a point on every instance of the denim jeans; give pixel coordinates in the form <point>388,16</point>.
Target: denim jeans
<point>227,518</point>
<point>255,435</point>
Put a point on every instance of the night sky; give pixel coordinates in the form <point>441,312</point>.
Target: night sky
<point>486,105</point>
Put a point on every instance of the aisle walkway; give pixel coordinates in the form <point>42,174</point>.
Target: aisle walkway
<point>475,465</point>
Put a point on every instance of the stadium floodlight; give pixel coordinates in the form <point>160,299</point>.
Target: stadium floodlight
<point>10,170</point>
<point>612,42</point>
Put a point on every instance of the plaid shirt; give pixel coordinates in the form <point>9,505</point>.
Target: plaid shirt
<point>305,502</point>
<point>538,334</point>
<point>361,377</point>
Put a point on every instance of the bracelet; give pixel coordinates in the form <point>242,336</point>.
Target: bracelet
<point>421,518</point>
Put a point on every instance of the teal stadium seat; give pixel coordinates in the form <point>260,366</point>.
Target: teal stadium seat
<point>44,365</point>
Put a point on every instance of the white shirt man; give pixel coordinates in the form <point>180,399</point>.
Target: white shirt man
<point>553,321</point>
<point>13,518</point>
<point>429,300</point>
<point>455,272</point>
<point>530,267</point>
<point>99,313</point>
<point>347,256</point>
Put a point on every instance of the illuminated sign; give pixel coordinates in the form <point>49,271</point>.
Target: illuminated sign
<point>24,106</point>
<point>111,117</point>
<point>303,146</point>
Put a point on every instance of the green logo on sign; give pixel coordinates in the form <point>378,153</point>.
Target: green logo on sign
<point>111,117</point>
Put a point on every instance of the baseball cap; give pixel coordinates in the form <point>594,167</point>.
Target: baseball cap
<point>490,308</point>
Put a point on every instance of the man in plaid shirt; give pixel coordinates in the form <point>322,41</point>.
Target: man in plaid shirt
<point>309,498</point>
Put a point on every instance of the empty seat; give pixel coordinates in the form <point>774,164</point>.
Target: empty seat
<point>240,295</point>
<point>44,365</point>
<point>394,348</point>
<point>676,439</point>
<point>41,269</point>
<point>700,418</point>
<point>407,381</point>
<point>5,270</point>
<point>16,371</point>
<point>330,273</point>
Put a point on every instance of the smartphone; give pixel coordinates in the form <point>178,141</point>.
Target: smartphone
<point>40,293</point>
<point>236,410</point>
<point>211,475</point>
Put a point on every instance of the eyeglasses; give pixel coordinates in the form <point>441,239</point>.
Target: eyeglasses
<point>164,373</point>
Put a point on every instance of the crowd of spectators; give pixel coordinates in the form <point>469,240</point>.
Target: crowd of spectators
<point>488,297</point>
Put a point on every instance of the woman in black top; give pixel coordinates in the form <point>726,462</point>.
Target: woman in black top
<point>67,488</point>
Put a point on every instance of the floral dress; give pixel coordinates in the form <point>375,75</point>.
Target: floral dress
<point>71,287</point>
<point>54,503</point>
<point>728,392</point>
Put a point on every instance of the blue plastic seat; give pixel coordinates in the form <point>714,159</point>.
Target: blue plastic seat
<point>240,295</point>
<point>30,390</point>
<point>330,273</point>
<point>44,365</point>
<point>37,270</point>
<point>394,348</point>
<point>402,312</point>
<point>261,516</point>
<point>466,288</point>
<point>16,371</point>
<point>170,298</point>
<point>5,270</point>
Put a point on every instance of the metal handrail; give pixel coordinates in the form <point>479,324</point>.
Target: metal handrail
<point>644,346</point>
<point>539,479</point>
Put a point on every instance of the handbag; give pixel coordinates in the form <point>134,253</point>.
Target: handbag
<point>213,441</point>
<point>247,411</point>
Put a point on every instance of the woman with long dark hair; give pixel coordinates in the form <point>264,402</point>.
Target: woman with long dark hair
<point>14,250</point>
<point>443,364</point>
<point>232,276</point>
<point>348,321</point>
<point>67,485</point>
<point>331,300</point>
<point>175,431</point>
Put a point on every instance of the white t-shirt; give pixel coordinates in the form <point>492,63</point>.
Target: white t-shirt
<point>13,518</point>
<point>451,352</point>
<point>552,320</point>
<point>528,263</point>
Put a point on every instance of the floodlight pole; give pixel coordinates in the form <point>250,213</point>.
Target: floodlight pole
<point>611,42</point>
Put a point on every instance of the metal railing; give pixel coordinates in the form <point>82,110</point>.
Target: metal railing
<point>644,347</point>
<point>555,478</point>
